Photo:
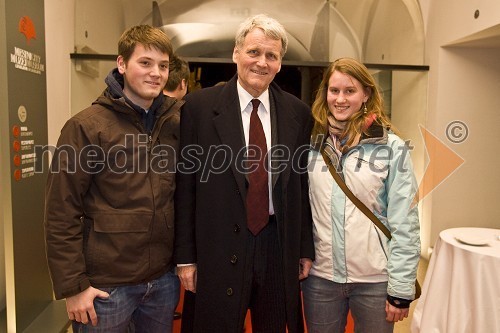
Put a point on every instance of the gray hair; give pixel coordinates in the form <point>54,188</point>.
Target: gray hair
<point>271,28</point>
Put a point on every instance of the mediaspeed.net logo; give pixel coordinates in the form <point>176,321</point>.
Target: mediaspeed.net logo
<point>27,28</point>
<point>443,161</point>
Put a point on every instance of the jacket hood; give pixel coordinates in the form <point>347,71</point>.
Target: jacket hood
<point>376,134</point>
<point>114,92</point>
<point>115,99</point>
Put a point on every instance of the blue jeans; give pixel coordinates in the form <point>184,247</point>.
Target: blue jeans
<point>327,303</point>
<point>147,307</point>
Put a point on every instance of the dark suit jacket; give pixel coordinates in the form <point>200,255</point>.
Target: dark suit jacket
<point>210,228</point>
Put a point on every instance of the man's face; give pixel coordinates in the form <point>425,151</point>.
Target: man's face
<point>145,74</point>
<point>257,60</point>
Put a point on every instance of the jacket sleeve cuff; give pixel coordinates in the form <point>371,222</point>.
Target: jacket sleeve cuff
<point>60,294</point>
<point>400,303</point>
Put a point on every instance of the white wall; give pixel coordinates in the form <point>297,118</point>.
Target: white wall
<point>464,85</point>
<point>59,42</point>
<point>395,34</point>
<point>98,25</point>
<point>409,105</point>
<point>469,85</point>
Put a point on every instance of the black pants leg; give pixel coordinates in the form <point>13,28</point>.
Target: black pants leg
<point>266,285</point>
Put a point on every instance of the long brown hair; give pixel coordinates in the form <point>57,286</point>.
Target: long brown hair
<point>374,104</point>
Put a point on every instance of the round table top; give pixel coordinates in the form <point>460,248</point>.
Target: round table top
<point>485,241</point>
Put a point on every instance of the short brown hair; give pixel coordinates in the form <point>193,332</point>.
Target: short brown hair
<point>179,70</point>
<point>146,35</point>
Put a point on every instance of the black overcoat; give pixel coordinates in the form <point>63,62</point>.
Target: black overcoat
<point>210,227</point>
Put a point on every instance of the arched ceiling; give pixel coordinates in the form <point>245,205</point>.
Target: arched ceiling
<point>318,30</point>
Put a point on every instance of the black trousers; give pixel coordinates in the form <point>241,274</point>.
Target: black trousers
<point>264,288</point>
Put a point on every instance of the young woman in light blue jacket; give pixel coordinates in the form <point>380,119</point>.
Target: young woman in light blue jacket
<point>357,267</point>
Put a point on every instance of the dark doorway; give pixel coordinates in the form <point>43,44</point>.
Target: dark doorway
<point>209,74</point>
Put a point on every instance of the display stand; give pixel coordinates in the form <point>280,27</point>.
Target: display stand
<point>23,170</point>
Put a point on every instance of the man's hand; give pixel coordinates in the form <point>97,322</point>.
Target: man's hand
<point>395,314</point>
<point>187,275</point>
<point>305,265</point>
<point>81,306</point>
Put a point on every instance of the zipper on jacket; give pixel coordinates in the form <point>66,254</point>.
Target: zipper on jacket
<point>341,166</point>
<point>360,162</point>
<point>150,143</point>
<point>380,241</point>
<point>345,246</point>
<point>153,137</point>
<point>158,125</point>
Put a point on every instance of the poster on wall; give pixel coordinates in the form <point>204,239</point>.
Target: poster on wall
<point>27,115</point>
<point>27,98</point>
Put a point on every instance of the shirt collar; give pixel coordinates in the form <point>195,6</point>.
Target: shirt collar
<point>245,98</point>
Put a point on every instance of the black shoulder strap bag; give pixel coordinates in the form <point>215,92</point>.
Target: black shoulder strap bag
<point>361,206</point>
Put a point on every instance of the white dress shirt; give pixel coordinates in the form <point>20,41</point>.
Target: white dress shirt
<point>264,113</point>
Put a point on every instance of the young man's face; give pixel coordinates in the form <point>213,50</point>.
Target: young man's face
<point>145,74</point>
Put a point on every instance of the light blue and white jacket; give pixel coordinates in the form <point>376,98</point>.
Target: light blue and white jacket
<point>349,247</point>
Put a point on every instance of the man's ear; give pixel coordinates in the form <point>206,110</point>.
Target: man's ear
<point>183,84</point>
<point>235,54</point>
<point>120,63</point>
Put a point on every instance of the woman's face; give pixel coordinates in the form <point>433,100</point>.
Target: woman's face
<point>345,96</point>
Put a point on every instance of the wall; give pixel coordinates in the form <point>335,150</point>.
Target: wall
<point>96,29</point>
<point>24,126</point>
<point>409,105</point>
<point>464,85</point>
<point>59,30</point>
<point>395,34</point>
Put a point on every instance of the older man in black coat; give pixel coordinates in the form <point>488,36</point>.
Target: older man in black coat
<point>243,240</point>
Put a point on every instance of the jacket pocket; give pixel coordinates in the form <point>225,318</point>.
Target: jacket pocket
<point>117,248</point>
<point>169,218</point>
<point>164,256</point>
<point>365,178</point>
<point>122,223</point>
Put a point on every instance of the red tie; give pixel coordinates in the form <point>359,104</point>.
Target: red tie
<point>258,190</point>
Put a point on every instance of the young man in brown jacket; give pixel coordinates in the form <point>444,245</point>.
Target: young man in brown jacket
<point>109,197</point>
